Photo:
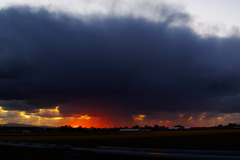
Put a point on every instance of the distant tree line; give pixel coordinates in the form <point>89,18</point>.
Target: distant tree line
<point>145,128</point>
<point>80,129</point>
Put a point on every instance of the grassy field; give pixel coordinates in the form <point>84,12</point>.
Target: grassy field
<point>228,139</point>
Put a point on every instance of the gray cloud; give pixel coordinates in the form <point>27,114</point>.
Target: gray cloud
<point>113,64</point>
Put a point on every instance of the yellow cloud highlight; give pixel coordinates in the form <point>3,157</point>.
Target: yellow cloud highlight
<point>139,117</point>
<point>219,118</point>
<point>203,115</point>
<point>2,110</point>
<point>52,112</point>
<point>23,113</point>
<point>181,115</point>
<point>190,118</point>
<point>84,117</point>
<point>26,116</point>
<point>57,118</point>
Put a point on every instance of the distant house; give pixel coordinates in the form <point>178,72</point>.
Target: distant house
<point>129,130</point>
<point>237,127</point>
<point>174,128</point>
<point>178,128</point>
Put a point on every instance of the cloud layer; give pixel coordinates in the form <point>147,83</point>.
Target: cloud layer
<point>46,117</point>
<point>117,65</point>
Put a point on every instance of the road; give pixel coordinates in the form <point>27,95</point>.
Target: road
<point>20,150</point>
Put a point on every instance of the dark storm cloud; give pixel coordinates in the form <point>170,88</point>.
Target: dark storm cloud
<point>113,64</point>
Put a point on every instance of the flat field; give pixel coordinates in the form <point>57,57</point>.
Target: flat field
<point>226,139</point>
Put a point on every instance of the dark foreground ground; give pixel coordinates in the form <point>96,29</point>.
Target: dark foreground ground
<point>227,139</point>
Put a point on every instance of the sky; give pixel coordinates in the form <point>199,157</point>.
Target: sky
<point>117,63</point>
